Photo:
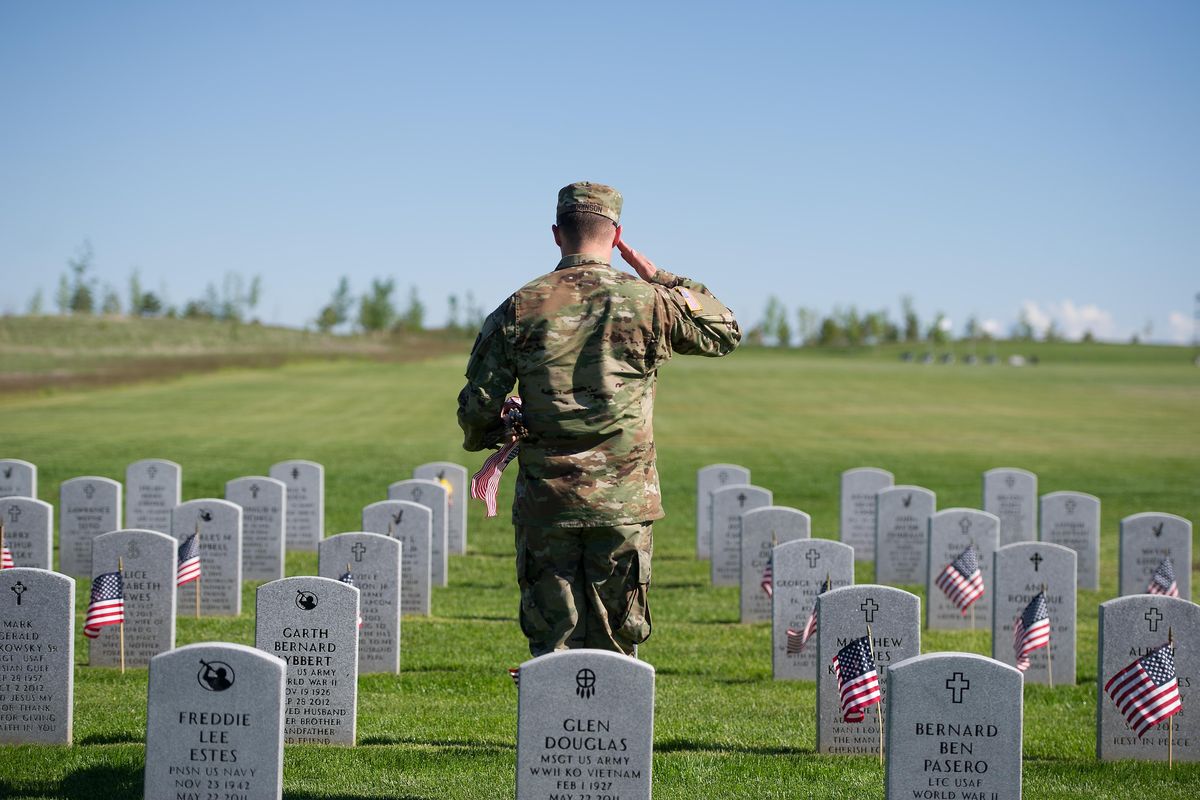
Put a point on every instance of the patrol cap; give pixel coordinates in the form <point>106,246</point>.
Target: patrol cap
<point>594,198</point>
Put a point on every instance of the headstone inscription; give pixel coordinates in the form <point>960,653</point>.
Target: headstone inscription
<point>311,623</point>
<point>17,478</point>
<point>729,504</point>
<point>412,525</point>
<point>954,728</point>
<point>452,477</point>
<point>219,524</point>
<point>708,480</point>
<point>951,532</point>
<point>1021,570</point>
<point>843,615</point>
<point>37,682</point>
<point>902,534</point>
<point>264,513</point>
<point>432,495</point>
<point>87,507</point>
<point>1132,627</point>
<point>153,487</point>
<point>1072,519</point>
<point>27,531</point>
<point>1147,539</point>
<point>585,726</point>
<point>800,569</point>
<point>304,521</point>
<point>214,724</point>
<point>762,529</point>
<point>1011,494</point>
<point>373,562</point>
<point>148,562</point>
<point>859,488</point>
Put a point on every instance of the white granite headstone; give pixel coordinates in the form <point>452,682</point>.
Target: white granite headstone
<point>432,495</point>
<point>87,507</point>
<point>17,478</point>
<point>902,534</point>
<point>1011,494</point>
<point>37,663</point>
<point>373,562</point>
<point>1072,519</point>
<point>1021,570</point>
<point>148,563</point>
<point>220,583</point>
<point>153,487</point>
<point>264,514</point>
<point>762,529</point>
<point>952,531</point>
<point>453,477</point>
<point>801,568</point>
<point>859,488</point>
<point>28,532</point>
<point>729,504</point>
<point>412,525</point>
<point>1147,539</point>
<point>708,480</point>
<point>305,517</point>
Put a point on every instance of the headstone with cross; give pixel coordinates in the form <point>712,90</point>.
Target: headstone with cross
<point>304,517</point>
<point>1147,539</point>
<point>1011,494</point>
<point>153,487</point>
<point>954,728</point>
<point>800,568</point>
<point>902,534</point>
<point>432,495</point>
<point>762,529</point>
<point>858,494</point>
<point>1021,570</point>
<point>220,546</point>
<point>87,507</point>
<point>149,560</point>
<point>952,531</point>
<point>708,480</point>
<point>453,477</point>
<point>264,517</point>
<point>1072,519</point>
<point>412,525</point>
<point>38,679</point>
<point>729,504</point>
<point>17,478</point>
<point>843,615</point>
<point>374,562</point>
<point>28,531</point>
<point>1131,627</point>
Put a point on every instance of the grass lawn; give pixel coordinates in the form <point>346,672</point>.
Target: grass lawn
<point>1120,423</point>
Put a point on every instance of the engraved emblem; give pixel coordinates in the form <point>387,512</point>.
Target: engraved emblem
<point>957,685</point>
<point>585,683</point>
<point>869,607</point>
<point>14,513</point>
<point>1158,529</point>
<point>417,493</point>
<point>152,471</point>
<point>205,515</point>
<point>215,676</point>
<point>1071,505</point>
<point>18,589</point>
<point>907,500</point>
<point>358,550</point>
<point>965,524</point>
<point>254,490</point>
<point>1036,558</point>
<point>295,473</point>
<point>133,551</point>
<point>1153,617</point>
<point>1010,481</point>
<point>88,491</point>
<point>813,555</point>
<point>305,601</point>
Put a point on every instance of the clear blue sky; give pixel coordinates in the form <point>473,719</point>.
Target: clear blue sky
<point>976,156</point>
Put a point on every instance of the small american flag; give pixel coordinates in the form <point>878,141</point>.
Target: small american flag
<point>962,580</point>
<point>1031,630</point>
<point>485,484</point>
<point>1147,691</point>
<point>515,674</point>
<point>857,679</point>
<point>768,578</point>
<point>189,561</point>
<point>797,640</point>
<point>1163,580</point>
<point>347,578</point>
<point>107,606</point>
<point>6,559</point>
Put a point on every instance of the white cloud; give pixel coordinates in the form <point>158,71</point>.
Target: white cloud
<point>1037,316</point>
<point>1179,327</point>
<point>991,327</point>
<point>1072,320</point>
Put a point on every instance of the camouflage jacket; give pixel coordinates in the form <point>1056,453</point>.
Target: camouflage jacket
<point>585,343</point>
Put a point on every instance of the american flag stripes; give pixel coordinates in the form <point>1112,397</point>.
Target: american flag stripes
<point>189,561</point>
<point>1031,630</point>
<point>347,578</point>
<point>768,578</point>
<point>962,580</point>
<point>485,484</point>
<point>1163,580</point>
<point>6,559</point>
<point>857,678</point>
<point>1147,691</point>
<point>796,641</point>
<point>515,674</point>
<point>107,605</point>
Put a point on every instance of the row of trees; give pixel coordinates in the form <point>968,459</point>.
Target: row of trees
<point>375,310</point>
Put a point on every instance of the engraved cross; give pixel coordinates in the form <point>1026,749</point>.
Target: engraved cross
<point>957,685</point>
<point>869,607</point>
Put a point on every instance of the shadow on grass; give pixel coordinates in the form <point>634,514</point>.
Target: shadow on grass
<point>126,737</point>
<point>92,783</point>
<point>447,744</point>
<point>692,746</point>
<point>310,796</point>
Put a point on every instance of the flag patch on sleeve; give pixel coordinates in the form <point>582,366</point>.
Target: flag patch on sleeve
<point>692,303</point>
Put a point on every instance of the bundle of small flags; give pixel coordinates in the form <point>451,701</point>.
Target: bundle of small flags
<point>348,578</point>
<point>1031,630</point>
<point>962,580</point>
<point>1147,691</point>
<point>188,569</point>
<point>485,484</point>
<point>857,679</point>
<point>107,605</point>
<point>1163,580</point>
<point>768,578</point>
<point>797,639</point>
<point>515,674</point>
<point>6,559</point>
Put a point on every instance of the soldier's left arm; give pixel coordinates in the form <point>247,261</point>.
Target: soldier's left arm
<point>697,322</point>
<point>491,375</point>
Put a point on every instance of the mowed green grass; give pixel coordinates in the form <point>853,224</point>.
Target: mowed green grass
<point>1124,429</point>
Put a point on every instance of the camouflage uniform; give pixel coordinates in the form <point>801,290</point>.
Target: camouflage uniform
<point>585,343</point>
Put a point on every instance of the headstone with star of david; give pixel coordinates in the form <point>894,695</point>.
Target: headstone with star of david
<point>37,668</point>
<point>264,516</point>
<point>220,546</point>
<point>585,726</point>
<point>454,478</point>
<point>951,531</point>
<point>432,495</point>
<point>412,525</point>
<point>87,507</point>
<point>954,728</point>
<point>902,534</point>
<point>148,562</point>
<point>304,520</point>
<point>1021,570</point>
<point>28,531</point>
<point>17,478</point>
<point>1011,494</point>
<point>373,561</point>
<point>153,487</point>
<point>312,624</point>
<point>762,529</point>
<point>1132,627</point>
<point>894,617</point>
<point>1147,539</point>
<point>729,504</point>
<point>1072,519</point>
<point>859,488</point>
<point>708,480</point>
<point>800,570</point>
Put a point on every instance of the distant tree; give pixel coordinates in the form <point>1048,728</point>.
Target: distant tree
<point>452,313</point>
<point>851,325</point>
<point>337,310</point>
<point>937,329</point>
<point>1088,337</point>
<point>83,295</point>
<point>808,321</point>
<point>1052,333</point>
<point>135,293</point>
<point>972,330</point>
<point>376,311</point>
<point>912,323</point>
<point>150,306</point>
<point>111,305</point>
<point>413,316</point>
<point>35,303</point>
<point>1023,330</point>
<point>829,333</point>
<point>254,293</point>
<point>62,296</point>
<point>473,317</point>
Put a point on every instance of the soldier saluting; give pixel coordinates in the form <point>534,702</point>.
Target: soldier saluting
<point>584,343</point>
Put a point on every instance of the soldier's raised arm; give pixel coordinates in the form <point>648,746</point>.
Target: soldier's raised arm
<point>491,375</point>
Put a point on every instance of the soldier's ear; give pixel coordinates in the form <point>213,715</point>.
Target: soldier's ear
<point>617,237</point>
<point>557,235</point>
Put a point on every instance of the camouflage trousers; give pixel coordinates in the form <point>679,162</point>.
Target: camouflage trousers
<point>584,587</point>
